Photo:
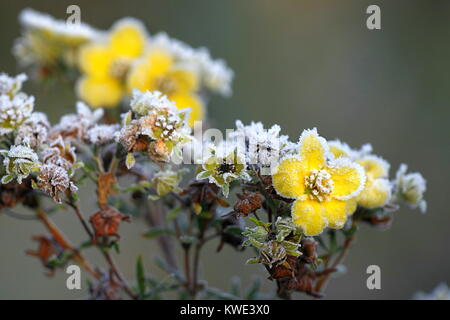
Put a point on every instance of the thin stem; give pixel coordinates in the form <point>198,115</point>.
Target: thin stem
<point>187,269</point>
<point>196,267</point>
<point>323,281</point>
<point>64,243</point>
<point>106,254</point>
<point>119,274</point>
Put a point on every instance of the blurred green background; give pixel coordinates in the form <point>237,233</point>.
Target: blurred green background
<point>300,64</point>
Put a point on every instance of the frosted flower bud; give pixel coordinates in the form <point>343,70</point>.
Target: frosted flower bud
<point>102,133</point>
<point>167,181</point>
<point>19,161</point>
<point>14,111</point>
<point>34,132</point>
<point>410,187</point>
<point>54,180</point>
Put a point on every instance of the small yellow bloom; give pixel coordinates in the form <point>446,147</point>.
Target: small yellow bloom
<point>322,189</point>
<point>105,65</point>
<point>159,72</point>
<point>377,190</point>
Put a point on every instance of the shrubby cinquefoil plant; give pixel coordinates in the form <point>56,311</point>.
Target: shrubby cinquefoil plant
<point>297,202</point>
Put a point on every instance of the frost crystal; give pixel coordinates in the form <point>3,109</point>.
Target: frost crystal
<point>77,125</point>
<point>11,85</point>
<point>102,133</point>
<point>264,147</point>
<point>160,128</point>
<point>60,154</point>
<point>34,132</point>
<point>143,103</point>
<point>14,111</point>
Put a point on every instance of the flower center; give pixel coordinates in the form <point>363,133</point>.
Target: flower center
<point>319,184</point>
<point>226,168</point>
<point>119,69</point>
<point>166,85</point>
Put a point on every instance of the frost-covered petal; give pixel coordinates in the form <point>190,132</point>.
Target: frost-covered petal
<point>99,92</point>
<point>348,178</point>
<point>313,149</point>
<point>96,60</point>
<point>351,206</point>
<point>309,216</point>
<point>340,149</point>
<point>128,38</point>
<point>288,178</point>
<point>335,213</point>
<point>375,166</point>
<point>375,194</point>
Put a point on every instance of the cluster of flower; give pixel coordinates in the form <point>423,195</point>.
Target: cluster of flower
<point>305,186</point>
<point>326,179</point>
<point>112,63</point>
<point>32,145</point>
<point>153,125</point>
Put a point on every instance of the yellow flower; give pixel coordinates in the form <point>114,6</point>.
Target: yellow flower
<point>377,189</point>
<point>105,65</point>
<point>159,72</point>
<point>321,188</point>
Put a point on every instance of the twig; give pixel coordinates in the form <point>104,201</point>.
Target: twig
<point>64,243</point>
<point>105,253</point>
<point>323,281</point>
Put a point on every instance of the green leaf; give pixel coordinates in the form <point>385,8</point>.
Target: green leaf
<point>140,276</point>
<point>156,232</point>
<point>233,230</point>
<point>130,161</point>
<point>252,261</point>
<point>6,179</point>
<point>173,214</point>
<point>259,222</point>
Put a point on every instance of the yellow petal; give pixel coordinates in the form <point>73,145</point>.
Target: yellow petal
<point>95,60</point>
<point>309,216</point>
<point>185,100</point>
<point>375,194</point>
<point>139,77</point>
<point>335,212</point>
<point>375,166</point>
<point>351,206</point>
<point>159,62</point>
<point>313,149</point>
<point>288,178</point>
<point>348,178</point>
<point>339,149</point>
<point>127,38</point>
<point>100,92</point>
<point>186,80</point>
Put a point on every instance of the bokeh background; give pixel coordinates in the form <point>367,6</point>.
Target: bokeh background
<point>300,64</point>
